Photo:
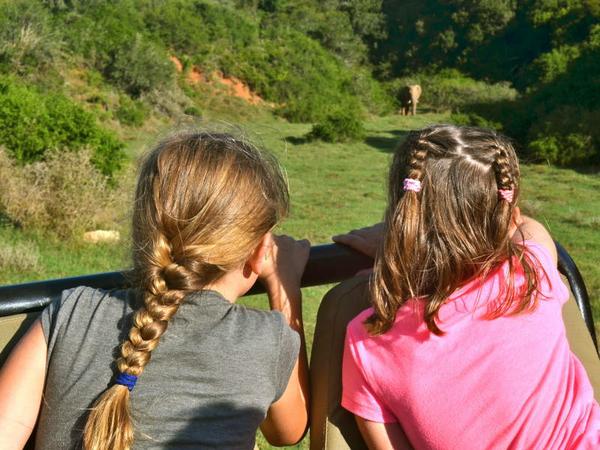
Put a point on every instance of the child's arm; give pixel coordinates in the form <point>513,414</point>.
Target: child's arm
<point>21,386</point>
<point>383,436</point>
<point>287,419</point>
<point>532,230</point>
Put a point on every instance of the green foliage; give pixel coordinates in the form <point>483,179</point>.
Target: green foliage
<point>566,136</point>
<point>562,149</point>
<point>212,35</point>
<point>295,72</point>
<point>560,124</point>
<point>139,66</point>
<point>281,56</point>
<point>130,112</point>
<point>62,195</point>
<point>32,123</point>
<point>442,33</point>
<point>340,126</point>
<point>450,90</point>
<point>114,41</point>
<point>473,119</point>
<point>193,111</point>
<point>28,44</point>
<point>549,66</point>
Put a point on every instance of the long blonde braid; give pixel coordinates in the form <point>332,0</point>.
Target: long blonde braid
<point>203,202</point>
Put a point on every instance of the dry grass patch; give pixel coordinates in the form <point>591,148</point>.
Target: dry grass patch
<point>19,257</point>
<point>64,195</point>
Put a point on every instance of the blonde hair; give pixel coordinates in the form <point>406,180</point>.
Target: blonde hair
<point>202,204</point>
<point>454,229</point>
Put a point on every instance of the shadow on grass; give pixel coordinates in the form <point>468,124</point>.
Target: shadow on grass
<point>386,144</point>
<point>297,140</point>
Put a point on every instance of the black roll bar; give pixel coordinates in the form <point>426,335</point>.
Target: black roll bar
<point>329,263</point>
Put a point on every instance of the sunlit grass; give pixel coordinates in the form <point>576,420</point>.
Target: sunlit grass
<point>338,187</point>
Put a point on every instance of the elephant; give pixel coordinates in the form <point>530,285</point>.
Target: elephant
<point>409,97</point>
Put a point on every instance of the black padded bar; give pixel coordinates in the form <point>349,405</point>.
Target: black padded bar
<point>569,269</point>
<point>328,263</point>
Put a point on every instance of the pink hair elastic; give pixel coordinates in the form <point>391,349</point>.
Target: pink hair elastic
<point>507,194</point>
<point>410,184</point>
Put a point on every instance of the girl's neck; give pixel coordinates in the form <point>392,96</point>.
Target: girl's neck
<point>233,284</point>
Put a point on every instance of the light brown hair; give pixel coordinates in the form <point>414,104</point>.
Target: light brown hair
<point>456,228</point>
<point>202,204</point>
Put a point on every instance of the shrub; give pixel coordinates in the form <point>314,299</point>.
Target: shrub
<point>139,66</point>
<point>562,149</point>
<point>63,195</point>
<point>193,111</point>
<point>27,41</point>
<point>32,123</point>
<point>567,136</point>
<point>130,112</point>
<point>341,126</point>
<point>450,90</point>
<point>473,119</point>
<point>19,257</point>
<point>297,73</point>
<point>549,66</point>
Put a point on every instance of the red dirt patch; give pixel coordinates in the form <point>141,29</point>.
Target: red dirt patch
<point>235,86</point>
<point>177,63</point>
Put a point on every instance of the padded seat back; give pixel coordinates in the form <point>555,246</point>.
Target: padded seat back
<point>11,330</point>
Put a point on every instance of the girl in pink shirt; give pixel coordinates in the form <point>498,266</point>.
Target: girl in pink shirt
<point>464,347</point>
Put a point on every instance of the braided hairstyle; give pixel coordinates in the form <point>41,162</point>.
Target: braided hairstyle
<point>454,228</point>
<point>203,202</point>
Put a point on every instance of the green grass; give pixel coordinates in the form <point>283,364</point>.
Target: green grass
<point>338,187</point>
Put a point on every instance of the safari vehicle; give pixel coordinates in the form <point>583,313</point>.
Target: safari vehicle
<point>332,427</point>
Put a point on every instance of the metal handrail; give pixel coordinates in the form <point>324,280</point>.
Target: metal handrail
<point>328,263</point>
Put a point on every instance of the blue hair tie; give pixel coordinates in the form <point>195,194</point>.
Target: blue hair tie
<point>127,380</point>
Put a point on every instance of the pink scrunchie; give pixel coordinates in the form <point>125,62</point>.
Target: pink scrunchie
<point>410,184</point>
<point>507,194</point>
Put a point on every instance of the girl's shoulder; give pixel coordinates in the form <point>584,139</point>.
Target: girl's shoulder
<point>356,329</point>
<point>550,283</point>
<point>80,305</point>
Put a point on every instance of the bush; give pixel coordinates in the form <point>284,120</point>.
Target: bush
<point>19,257</point>
<point>139,66</point>
<point>27,41</point>
<point>562,149</point>
<point>297,73</point>
<point>63,195</point>
<point>450,90</point>
<point>193,111</point>
<point>341,126</point>
<point>473,119</point>
<point>130,112</point>
<point>567,136</point>
<point>32,123</point>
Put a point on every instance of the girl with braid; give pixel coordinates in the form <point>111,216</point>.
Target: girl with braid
<point>464,346</point>
<point>175,363</point>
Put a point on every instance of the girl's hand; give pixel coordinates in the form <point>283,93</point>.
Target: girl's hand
<point>366,240</point>
<point>283,268</point>
<point>281,272</point>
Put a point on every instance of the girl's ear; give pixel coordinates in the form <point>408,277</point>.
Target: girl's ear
<point>261,253</point>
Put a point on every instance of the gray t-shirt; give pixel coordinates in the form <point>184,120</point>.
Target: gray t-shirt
<point>215,372</point>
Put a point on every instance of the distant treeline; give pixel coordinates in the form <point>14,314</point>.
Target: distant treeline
<point>548,49</point>
<point>312,58</point>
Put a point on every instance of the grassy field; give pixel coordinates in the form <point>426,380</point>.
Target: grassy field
<point>338,187</point>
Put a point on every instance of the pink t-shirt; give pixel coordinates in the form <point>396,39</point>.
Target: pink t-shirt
<point>510,382</point>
